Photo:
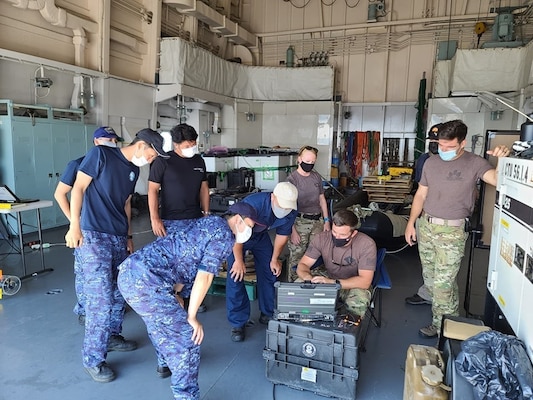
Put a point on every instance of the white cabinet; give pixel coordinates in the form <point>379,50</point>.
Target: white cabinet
<point>36,143</point>
<point>270,169</point>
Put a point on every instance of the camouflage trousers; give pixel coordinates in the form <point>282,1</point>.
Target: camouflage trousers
<point>167,326</point>
<point>355,300</point>
<point>79,307</point>
<point>99,258</point>
<point>441,250</point>
<point>307,229</point>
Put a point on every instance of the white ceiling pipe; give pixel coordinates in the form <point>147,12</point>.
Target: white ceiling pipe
<point>447,20</point>
<point>60,17</point>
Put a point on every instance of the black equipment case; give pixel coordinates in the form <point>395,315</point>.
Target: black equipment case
<point>321,357</point>
<point>220,202</point>
<point>243,178</point>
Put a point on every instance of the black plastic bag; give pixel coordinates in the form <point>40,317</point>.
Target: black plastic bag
<point>497,366</point>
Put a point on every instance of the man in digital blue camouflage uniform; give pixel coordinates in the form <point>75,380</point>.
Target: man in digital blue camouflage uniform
<point>100,213</point>
<point>188,259</point>
<point>103,136</point>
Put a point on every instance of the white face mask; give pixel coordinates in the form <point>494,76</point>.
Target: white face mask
<point>108,143</point>
<point>189,152</point>
<point>242,237</point>
<point>280,212</point>
<point>139,161</point>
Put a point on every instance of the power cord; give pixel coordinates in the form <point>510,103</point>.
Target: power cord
<point>400,249</point>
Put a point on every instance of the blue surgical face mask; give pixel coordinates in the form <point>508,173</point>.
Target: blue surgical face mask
<point>447,155</point>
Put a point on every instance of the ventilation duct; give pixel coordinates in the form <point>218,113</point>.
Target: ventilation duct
<point>217,22</point>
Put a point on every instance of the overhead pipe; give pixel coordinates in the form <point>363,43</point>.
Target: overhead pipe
<point>57,16</point>
<point>454,19</point>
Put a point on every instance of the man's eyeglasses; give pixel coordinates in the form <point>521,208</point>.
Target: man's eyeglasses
<point>308,148</point>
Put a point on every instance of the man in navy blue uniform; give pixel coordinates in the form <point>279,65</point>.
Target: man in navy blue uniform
<point>188,259</point>
<point>103,136</point>
<point>101,230</point>
<point>277,211</point>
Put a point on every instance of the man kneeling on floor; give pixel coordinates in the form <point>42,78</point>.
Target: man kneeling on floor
<point>349,259</point>
<point>188,258</point>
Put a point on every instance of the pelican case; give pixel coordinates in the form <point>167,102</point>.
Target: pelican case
<point>317,358</point>
<point>220,202</point>
<point>242,179</point>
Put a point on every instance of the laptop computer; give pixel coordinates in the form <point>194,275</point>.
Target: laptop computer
<point>306,301</point>
<point>7,196</point>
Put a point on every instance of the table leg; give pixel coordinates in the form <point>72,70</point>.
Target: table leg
<point>21,243</point>
<point>41,251</point>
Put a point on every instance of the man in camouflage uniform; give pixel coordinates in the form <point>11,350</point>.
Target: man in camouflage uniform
<point>349,260</point>
<point>445,198</point>
<point>101,232</point>
<point>307,229</point>
<point>423,296</point>
<point>312,215</point>
<point>187,259</point>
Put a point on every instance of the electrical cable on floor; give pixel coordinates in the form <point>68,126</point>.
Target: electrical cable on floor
<point>397,251</point>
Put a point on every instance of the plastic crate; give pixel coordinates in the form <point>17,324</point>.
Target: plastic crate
<point>322,360</point>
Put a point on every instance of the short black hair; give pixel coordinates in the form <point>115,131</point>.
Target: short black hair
<point>455,129</point>
<point>183,133</point>
<point>346,217</point>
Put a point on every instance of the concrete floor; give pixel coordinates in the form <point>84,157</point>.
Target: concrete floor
<point>41,338</point>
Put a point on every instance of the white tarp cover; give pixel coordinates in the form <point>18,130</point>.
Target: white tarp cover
<point>494,69</point>
<point>185,64</point>
<point>441,76</point>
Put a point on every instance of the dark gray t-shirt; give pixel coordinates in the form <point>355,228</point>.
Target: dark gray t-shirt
<point>344,262</point>
<point>452,185</point>
<point>309,189</point>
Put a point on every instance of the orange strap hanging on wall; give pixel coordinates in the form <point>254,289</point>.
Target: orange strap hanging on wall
<point>358,147</point>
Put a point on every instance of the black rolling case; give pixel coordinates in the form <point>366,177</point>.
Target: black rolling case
<point>321,357</point>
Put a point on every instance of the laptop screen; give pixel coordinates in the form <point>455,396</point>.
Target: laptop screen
<point>6,195</point>
<point>301,301</point>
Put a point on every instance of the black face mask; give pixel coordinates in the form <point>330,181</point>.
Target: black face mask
<point>340,242</point>
<point>306,167</point>
<point>434,148</point>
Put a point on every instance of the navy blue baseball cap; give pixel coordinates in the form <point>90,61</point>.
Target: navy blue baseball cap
<point>245,210</point>
<point>106,132</point>
<point>153,138</point>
